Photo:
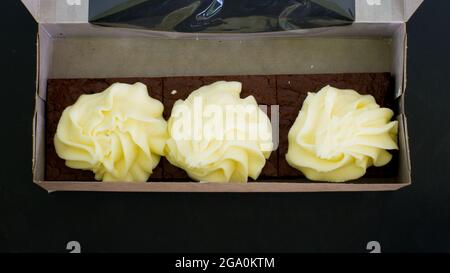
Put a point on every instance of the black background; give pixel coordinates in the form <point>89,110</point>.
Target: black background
<point>415,219</point>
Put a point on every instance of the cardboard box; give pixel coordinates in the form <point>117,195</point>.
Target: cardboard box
<point>69,47</point>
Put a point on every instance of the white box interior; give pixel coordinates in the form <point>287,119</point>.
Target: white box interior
<point>68,51</point>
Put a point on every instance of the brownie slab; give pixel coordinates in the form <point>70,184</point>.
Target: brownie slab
<point>287,91</point>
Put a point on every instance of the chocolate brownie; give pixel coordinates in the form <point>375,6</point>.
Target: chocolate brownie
<point>263,88</point>
<point>62,93</point>
<point>287,91</point>
<point>293,89</point>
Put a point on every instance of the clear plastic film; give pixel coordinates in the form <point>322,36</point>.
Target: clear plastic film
<point>222,16</point>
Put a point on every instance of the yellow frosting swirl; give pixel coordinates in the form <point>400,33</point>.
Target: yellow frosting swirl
<point>216,136</point>
<point>340,133</point>
<point>119,133</point>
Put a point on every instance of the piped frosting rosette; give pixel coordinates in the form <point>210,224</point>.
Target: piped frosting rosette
<point>338,134</point>
<point>119,133</point>
<point>216,136</point>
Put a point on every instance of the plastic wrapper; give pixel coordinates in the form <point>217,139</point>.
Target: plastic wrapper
<point>221,16</point>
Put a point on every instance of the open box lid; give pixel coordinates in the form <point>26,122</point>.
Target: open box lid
<point>77,11</point>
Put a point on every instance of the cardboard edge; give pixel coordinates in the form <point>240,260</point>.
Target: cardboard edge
<point>404,175</point>
<point>403,110</point>
<point>408,151</point>
<point>410,7</point>
<point>405,63</point>
<point>39,118</point>
<point>213,187</point>
<point>33,7</point>
<point>399,47</point>
<point>405,56</point>
<point>34,152</point>
<point>45,52</point>
<point>35,115</point>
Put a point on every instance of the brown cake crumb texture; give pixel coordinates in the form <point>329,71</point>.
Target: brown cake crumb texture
<point>287,91</point>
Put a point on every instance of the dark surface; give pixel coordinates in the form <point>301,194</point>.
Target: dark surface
<point>287,91</point>
<point>415,219</point>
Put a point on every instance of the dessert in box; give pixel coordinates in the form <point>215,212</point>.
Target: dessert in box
<point>280,68</point>
<point>287,91</point>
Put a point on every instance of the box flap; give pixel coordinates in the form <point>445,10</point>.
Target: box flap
<point>77,11</point>
<point>222,16</point>
<point>410,7</point>
<point>58,11</point>
<point>385,11</point>
<point>33,8</point>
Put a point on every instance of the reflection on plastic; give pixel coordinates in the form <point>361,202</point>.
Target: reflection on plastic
<point>222,16</point>
<point>211,10</point>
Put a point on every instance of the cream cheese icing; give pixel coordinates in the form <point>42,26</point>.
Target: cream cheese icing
<point>216,136</point>
<point>119,133</point>
<point>338,134</point>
